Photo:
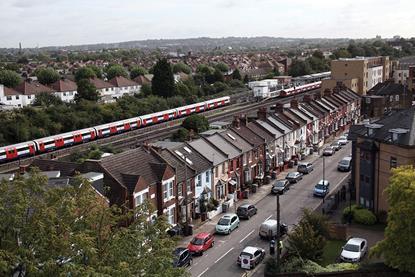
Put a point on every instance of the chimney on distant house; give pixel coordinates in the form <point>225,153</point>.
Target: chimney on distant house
<point>243,120</point>
<point>279,107</point>
<point>327,92</point>
<point>236,123</point>
<point>308,98</point>
<point>294,103</point>
<point>262,113</point>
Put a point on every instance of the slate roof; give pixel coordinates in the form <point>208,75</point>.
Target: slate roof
<point>404,119</point>
<point>235,139</point>
<point>64,85</point>
<point>266,135</point>
<point>66,168</point>
<point>249,135</point>
<point>225,146</point>
<point>211,153</point>
<point>387,88</point>
<point>32,88</point>
<point>200,163</point>
<point>120,81</point>
<point>178,164</point>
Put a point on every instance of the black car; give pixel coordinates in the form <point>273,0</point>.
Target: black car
<point>280,186</point>
<point>246,211</point>
<point>182,257</point>
<point>294,177</point>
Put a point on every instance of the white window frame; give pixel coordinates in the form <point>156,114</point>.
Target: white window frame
<point>168,189</point>
<point>140,194</point>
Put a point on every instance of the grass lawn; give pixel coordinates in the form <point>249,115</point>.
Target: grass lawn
<point>332,251</point>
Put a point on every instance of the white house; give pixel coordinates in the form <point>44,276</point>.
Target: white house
<point>10,97</point>
<point>29,90</point>
<point>65,89</point>
<point>124,86</point>
<point>105,90</point>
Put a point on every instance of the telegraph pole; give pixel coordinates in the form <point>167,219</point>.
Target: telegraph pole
<point>186,196</point>
<point>324,175</point>
<point>278,231</point>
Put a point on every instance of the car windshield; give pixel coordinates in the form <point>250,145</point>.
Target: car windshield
<point>224,221</point>
<point>242,209</point>
<point>292,175</point>
<point>351,247</point>
<point>328,149</point>
<point>247,254</point>
<point>197,241</point>
<point>302,165</point>
<point>280,184</point>
<point>344,162</point>
<point>320,186</point>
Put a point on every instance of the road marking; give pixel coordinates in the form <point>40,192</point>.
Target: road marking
<point>204,271</point>
<point>250,233</point>
<point>223,255</point>
<point>268,218</point>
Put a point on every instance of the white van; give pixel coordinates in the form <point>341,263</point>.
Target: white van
<point>345,164</point>
<point>268,229</point>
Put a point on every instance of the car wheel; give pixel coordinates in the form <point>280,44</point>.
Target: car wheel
<point>229,231</point>
<point>201,253</point>
<point>190,262</point>
<point>212,244</point>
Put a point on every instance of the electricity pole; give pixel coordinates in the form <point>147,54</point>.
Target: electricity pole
<point>324,175</point>
<point>278,231</point>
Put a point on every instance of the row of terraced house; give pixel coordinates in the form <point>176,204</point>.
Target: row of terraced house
<point>197,179</point>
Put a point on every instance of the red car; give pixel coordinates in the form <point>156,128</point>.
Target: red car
<point>200,243</point>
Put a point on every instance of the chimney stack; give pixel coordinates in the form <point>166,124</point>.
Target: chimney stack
<point>294,103</point>
<point>236,123</point>
<point>327,92</point>
<point>243,119</point>
<point>279,107</point>
<point>262,113</point>
<point>307,98</point>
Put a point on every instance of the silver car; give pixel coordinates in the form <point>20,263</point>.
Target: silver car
<point>227,224</point>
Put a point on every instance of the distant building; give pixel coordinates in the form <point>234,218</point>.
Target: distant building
<point>411,79</point>
<point>29,90</point>
<point>124,86</point>
<point>65,89</point>
<point>368,71</point>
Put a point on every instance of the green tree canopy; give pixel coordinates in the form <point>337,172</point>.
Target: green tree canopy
<point>398,247</point>
<point>222,67</point>
<point>47,99</point>
<point>300,68</point>
<point>71,231</point>
<point>137,71</point>
<point>47,76</point>
<point>162,83</point>
<point>9,78</point>
<point>84,73</point>
<point>86,91</point>
<point>236,75</point>
<point>198,123</point>
<point>116,71</point>
<point>181,67</point>
<point>218,75</point>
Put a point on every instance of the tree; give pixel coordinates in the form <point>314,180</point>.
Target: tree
<point>181,67</point>
<point>218,75</point>
<point>300,68</point>
<point>162,83</point>
<point>84,73</point>
<point>86,91</point>
<point>47,99</point>
<point>198,123</point>
<point>398,247</point>
<point>181,135</point>
<point>182,90</point>
<point>9,78</point>
<point>47,76</point>
<point>318,221</point>
<point>97,70</point>
<point>246,79</point>
<point>71,231</point>
<point>116,71</point>
<point>222,67</point>
<point>236,75</point>
<point>137,71</point>
<point>146,90</point>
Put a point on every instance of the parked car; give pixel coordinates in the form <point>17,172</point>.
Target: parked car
<point>305,168</point>
<point>268,229</point>
<point>246,211</point>
<point>227,224</point>
<point>354,250</point>
<point>328,151</point>
<point>294,177</point>
<point>250,257</point>
<point>280,186</point>
<point>200,243</point>
<point>336,145</point>
<point>342,140</point>
<point>321,188</point>
<point>345,164</point>
<point>182,257</point>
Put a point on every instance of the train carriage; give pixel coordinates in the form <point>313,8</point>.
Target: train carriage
<point>191,109</point>
<point>218,102</point>
<point>154,118</point>
<point>112,128</point>
<point>15,151</point>
<point>63,140</point>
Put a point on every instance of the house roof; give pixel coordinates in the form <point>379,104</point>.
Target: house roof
<point>182,172</point>
<point>64,85</point>
<point>100,84</point>
<point>257,129</point>
<point>402,122</point>
<point>143,79</point>
<point>249,135</point>
<point>207,150</point>
<point>225,146</point>
<point>235,139</point>
<point>120,81</point>
<point>387,88</point>
<point>10,92</point>
<point>200,163</point>
<point>32,88</point>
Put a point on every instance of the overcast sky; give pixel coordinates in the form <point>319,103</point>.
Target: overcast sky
<point>71,22</point>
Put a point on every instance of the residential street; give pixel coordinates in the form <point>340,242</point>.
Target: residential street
<point>221,259</point>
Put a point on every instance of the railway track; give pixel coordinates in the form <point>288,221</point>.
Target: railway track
<point>134,138</point>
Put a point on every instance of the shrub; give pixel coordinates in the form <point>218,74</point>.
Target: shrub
<point>341,267</point>
<point>346,211</point>
<point>364,216</point>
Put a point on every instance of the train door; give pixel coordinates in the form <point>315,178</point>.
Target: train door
<point>42,146</point>
<point>113,129</point>
<point>92,135</point>
<point>31,149</point>
<point>166,117</point>
<point>138,123</point>
<point>11,153</point>
<point>59,142</point>
<point>127,126</point>
<point>155,119</point>
<point>77,138</point>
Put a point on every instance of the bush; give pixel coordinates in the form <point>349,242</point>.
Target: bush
<point>342,267</point>
<point>346,211</point>
<point>364,216</point>
<point>296,264</point>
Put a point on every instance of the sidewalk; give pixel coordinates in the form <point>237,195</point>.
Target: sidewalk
<point>262,191</point>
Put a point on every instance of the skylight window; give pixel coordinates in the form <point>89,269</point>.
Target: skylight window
<point>187,149</point>
<point>232,137</point>
<point>179,153</point>
<point>189,161</point>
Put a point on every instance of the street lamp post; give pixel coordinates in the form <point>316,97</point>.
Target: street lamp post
<point>278,231</point>
<point>324,174</point>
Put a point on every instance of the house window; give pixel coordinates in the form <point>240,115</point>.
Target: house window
<point>188,186</point>
<point>17,97</point>
<point>170,215</point>
<point>397,97</point>
<point>393,162</point>
<point>207,177</point>
<point>216,171</point>
<point>106,89</point>
<point>180,189</point>
<point>139,199</point>
<point>168,190</point>
<point>9,98</point>
<point>220,191</point>
<point>199,181</point>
